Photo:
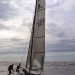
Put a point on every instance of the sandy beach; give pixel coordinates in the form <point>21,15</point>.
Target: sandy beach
<point>50,68</point>
<point>59,68</point>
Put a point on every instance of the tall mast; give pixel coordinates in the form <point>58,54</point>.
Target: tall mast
<point>32,39</point>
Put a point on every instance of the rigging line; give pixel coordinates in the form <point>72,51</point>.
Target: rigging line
<point>23,56</point>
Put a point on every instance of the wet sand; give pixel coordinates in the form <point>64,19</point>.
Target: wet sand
<point>50,68</point>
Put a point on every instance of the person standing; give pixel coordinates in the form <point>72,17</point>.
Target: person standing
<point>18,68</point>
<point>10,69</point>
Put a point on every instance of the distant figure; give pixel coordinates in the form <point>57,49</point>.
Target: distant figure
<point>18,68</point>
<point>10,69</point>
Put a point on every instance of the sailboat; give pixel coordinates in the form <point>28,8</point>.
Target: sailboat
<point>36,52</point>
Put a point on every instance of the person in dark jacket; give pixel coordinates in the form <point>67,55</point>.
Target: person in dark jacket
<point>18,68</point>
<point>10,69</point>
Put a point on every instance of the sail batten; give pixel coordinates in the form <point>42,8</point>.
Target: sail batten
<point>36,52</point>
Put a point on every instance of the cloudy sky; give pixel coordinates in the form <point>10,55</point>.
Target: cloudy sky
<point>16,17</point>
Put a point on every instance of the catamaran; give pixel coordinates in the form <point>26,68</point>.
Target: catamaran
<point>36,52</point>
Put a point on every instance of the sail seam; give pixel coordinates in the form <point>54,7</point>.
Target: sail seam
<point>41,9</point>
<point>39,52</point>
<point>40,37</point>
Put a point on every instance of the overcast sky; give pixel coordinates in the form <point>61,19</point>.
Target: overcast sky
<point>16,17</point>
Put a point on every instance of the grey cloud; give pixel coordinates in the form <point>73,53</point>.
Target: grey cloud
<point>62,46</point>
<point>62,26</point>
<point>3,27</point>
<point>6,27</point>
<point>54,4</point>
<point>13,45</point>
<point>53,29</point>
<point>6,11</point>
<point>66,35</point>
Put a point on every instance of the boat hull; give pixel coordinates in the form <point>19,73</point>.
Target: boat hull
<point>26,72</point>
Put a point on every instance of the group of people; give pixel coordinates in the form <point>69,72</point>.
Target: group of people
<point>11,69</point>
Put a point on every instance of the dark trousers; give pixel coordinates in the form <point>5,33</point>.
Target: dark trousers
<point>9,72</point>
<point>17,71</point>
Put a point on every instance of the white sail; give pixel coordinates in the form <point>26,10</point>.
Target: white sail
<point>36,52</point>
